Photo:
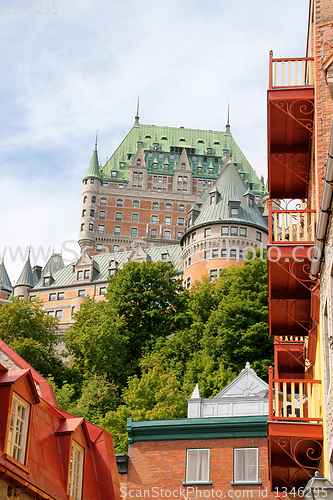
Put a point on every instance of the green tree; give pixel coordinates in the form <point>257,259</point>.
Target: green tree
<point>27,329</point>
<point>143,303</point>
<point>156,395</point>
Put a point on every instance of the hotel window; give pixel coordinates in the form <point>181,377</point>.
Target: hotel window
<point>92,213</point>
<point>86,274</point>
<point>180,180</point>
<point>187,282</point>
<point>113,174</point>
<point>207,254</point>
<point>115,248</point>
<point>102,214</point>
<point>91,226</point>
<point>50,313</point>
<point>135,176</point>
<point>138,162</point>
<point>179,235</point>
<point>155,178</point>
<point>181,208</point>
<point>164,180</point>
<point>84,199</point>
<point>52,296</point>
<point>215,254</point>
<point>102,290</point>
<point>92,181</point>
<point>184,180</point>
<point>200,182</point>
<point>153,233</point>
<point>119,216</point>
<point>99,247</point>
<point>83,212</point>
<point>79,275</point>
<point>75,471</point>
<point>154,206</point>
<point>233,253</point>
<point>61,295</point>
<point>234,231</point>
<point>140,176</point>
<point>194,236</point>
<point>224,231</point>
<point>82,227</point>
<point>119,203</point>
<point>213,275</point>
<point>167,221</point>
<point>241,254</point>
<point>121,165</point>
<point>154,219</point>
<point>234,212</point>
<point>246,468</point>
<point>208,232</point>
<point>72,311</point>
<point>182,167</point>
<point>197,466</point>
<point>160,179</point>
<point>58,314</point>
<point>18,428</point>
<point>134,231</point>
<point>181,221</point>
<point>167,234</point>
<point>224,253</point>
<point>209,183</point>
<point>81,293</point>
<point>210,171</point>
<point>258,236</point>
<point>135,217</point>
<point>168,207</point>
<point>136,204</point>
<point>100,228</point>
<point>242,232</point>
<point>199,170</point>
<point>93,199</point>
<point>103,201</point>
<point>117,230</point>
<point>251,202</point>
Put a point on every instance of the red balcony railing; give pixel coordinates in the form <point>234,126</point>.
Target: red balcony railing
<point>292,226</point>
<point>294,399</point>
<point>290,72</point>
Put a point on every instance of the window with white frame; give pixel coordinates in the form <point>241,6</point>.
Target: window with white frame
<point>246,468</point>
<point>18,428</point>
<point>75,471</point>
<point>225,231</point>
<point>197,466</point>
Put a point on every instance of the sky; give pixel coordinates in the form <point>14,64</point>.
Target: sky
<point>78,66</point>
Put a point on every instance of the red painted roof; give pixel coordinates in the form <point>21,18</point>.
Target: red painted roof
<point>45,473</point>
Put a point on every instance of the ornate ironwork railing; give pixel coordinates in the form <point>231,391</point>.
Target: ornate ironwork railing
<point>290,72</point>
<point>294,399</point>
<point>293,226</point>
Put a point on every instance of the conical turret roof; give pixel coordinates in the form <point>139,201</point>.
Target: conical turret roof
<point>93,170</point>
<point>4,279</point>
<point>26,277</point>
<point>231,189</point>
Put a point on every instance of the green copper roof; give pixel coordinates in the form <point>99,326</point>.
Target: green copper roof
<point>66,276</point>
<point>197,428</point>
<point>93,170</point>
<point>4,279</point>
<point>26,276</point>
<point>207,150</point>
<point>231,188</point>
<point>54,264</point>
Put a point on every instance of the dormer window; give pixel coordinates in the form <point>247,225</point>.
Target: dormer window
<point>212,199</point>
<point>138,162</point>
<point>182,166</point>
<point>155,145</point>
<point>113,174</point>
<point>225,152</point>
<point>46,282</point>
<point>251,202</point>
<point>75,471</point>
<point>86,274</point>
<point>18,428</point>
<point>234,212</point>
<point>210,171</point>
<point>242,176</point>
<point>121,165</point>
<point>209,151</point>
<point>79,275</point>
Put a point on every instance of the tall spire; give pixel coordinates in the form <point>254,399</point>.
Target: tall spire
<point>26,277</point>
<point>137,113</point>
<point>93,170</point>
<point>4,278</point>
<point>227,127</point>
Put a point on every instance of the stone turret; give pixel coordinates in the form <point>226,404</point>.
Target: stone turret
<point>91,185</point>
<point>25,281</point>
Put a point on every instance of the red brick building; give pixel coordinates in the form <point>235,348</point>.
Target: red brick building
<point>220,450</point>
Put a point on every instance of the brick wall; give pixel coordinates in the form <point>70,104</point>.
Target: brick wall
<point>158,468</point>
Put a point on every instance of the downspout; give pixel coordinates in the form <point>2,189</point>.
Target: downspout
<point>324,215</point>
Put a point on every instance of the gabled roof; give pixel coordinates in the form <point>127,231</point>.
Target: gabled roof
<point>54,264</point>
<point>246,384</point>
<point>222,144</point>
<point>4,278</point>
<point>26,276</point>
<point>101,263</point>
<point>231,188</point>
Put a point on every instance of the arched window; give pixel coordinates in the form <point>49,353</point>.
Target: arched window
<point>168,207</point>
<point>138,162</point>
<point>84,199</point>
<point>93,199</point>
<point>181,208</point>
